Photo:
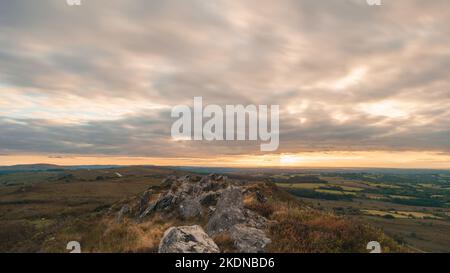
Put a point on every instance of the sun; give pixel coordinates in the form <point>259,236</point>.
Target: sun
<point>287,159</point>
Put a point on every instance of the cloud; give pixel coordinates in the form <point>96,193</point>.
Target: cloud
<point>101,78</point>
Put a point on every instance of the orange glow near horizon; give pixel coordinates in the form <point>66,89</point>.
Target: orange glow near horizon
<point>344,159</point>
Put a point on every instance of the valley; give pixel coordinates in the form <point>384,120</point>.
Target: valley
<point>41,209</point>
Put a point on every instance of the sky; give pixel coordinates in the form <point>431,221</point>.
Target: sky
<point>357,85</point>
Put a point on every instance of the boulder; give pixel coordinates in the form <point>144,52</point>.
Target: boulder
<point>150,208</point>
<point>122,212</point>
<point>190,208</point>
<point>185,189</point>
<point>143,202</point>
<point>165,202</point>
<point>162,204</point>
<point>187,239</point>
<point>230,197</point>
<point>209,198</point>
<point>255,220</point>
<point>215,177</point>
<point>211,185</point>
<point>229,211</point>
<point>224,219</point>
<point>249,239</point>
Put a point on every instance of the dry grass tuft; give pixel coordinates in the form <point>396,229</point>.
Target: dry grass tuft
<point>225,243</point>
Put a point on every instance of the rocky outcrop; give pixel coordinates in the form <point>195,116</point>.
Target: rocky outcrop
<point>188,195</point>
<point>225,206</point>
<point>214,200</point>
<point>187,239</point>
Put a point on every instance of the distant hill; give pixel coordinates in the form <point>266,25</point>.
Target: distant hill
<point>30,167</point>
<point>206,170</point>
<point>268,170</point>
<point>49,167</point>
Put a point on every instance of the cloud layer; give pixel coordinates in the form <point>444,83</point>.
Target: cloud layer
<point>100,79</point>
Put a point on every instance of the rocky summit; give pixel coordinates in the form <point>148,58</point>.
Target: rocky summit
<point>190,213</point>
<point>216,201</point>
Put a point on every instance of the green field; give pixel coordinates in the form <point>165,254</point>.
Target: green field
<point>34,206</point>
<point>393,201</point>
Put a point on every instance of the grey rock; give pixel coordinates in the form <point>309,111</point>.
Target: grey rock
<point>185,189</point>
<point>229,212</point>
<point>186,178</point>
<point>122,212</point>
<point>255,220</point>
<point>249,239</point>
<point>164,203</point>
<point>143,202</point>
<point>148,210</point>
<point>260,197</point>
<point>168,181</point>
<point>231,197</point>
<point>224,219</point>
<point>215,177</point>
<point>211,185</point>
<point>209,198</point>
<point>187,239</point>
<point>190,208</point>
<point>212,175</point>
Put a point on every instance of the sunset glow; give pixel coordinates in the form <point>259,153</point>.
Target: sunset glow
<point>379,159</point>
<point>356,85</point>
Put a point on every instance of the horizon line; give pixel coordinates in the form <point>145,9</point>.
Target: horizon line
<point>227,167</point>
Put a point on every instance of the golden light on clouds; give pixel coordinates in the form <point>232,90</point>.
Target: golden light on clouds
<point>355,76</point>
<point>389,108</point>
<point>357,86</point>
<point>336,159</point>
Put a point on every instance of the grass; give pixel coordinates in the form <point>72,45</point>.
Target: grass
<point>48,213</point>
<point>384,213</point>
<point>425,235</point>
<point>315,186</point>
<point>375,196</point>
<point>300,185</point>
<point>383,185</point>
<point>401,214</point>
<point>300,230</point>
<point>336,192</point>
<point>402,197</point>
<point>419,215</point>
<point>297,228</point>
<point>348,188</point>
